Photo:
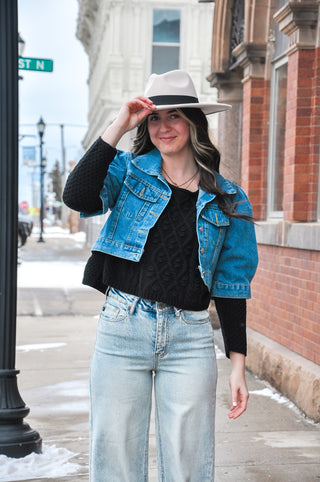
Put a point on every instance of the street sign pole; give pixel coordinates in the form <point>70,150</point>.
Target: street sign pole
<point>17,438</point>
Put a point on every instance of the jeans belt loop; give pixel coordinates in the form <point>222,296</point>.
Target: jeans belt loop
<point>133,306</point>
<point>177,311</point>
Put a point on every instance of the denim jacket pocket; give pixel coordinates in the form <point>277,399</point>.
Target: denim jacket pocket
<point>195,317</point>
<point>213,215</point>
<point>142,189</point>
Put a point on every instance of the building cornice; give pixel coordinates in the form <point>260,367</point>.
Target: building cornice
<point>229,85</point>
<point>86,20</point>
<point>251,56</point>
<point>298,20</point>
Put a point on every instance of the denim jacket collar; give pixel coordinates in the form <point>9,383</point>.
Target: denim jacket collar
<point>150,163</point>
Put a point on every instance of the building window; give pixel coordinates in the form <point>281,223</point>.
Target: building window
<point>278,110</point>
<point>277,137</point>
<point>237,29</point>
<point>166,40</point>
<point>281,40</point>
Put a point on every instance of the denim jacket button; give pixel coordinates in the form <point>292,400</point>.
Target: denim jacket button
<point>201,229</point>
<point>201,250</point>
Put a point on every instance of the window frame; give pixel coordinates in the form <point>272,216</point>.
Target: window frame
<point>274,95</point>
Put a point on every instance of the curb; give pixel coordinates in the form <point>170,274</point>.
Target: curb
<point>295,377</point>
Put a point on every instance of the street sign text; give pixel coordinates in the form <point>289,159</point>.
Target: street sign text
<point>40,65</point>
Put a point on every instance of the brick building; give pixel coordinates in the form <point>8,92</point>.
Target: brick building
<point>266,63</point>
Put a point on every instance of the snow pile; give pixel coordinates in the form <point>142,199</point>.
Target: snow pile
<point>48,274</point>
<point>53,462</point>
<point>57,232</point>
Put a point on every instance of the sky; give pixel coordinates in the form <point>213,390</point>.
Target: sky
<point>60,97</point>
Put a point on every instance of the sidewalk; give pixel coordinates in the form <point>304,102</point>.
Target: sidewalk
<point>56,327</point>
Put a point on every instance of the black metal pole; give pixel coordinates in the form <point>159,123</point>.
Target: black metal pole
<point>41,240</point>
<point>17,439</point>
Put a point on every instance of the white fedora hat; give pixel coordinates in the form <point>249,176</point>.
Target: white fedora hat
<point>176,89</point>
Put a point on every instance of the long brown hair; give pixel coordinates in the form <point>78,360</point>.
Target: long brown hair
<point>206,156</point>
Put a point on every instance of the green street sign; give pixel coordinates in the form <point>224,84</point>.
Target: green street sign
<point>40,65</point>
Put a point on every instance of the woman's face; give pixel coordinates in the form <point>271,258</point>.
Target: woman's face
<point>169,132</point>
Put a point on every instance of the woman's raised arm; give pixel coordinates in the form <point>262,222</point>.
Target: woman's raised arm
<point>130,115</point>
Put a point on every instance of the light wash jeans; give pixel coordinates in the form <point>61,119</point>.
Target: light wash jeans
<point>138,340</point>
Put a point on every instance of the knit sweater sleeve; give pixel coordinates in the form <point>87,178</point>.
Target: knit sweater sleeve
<point>232,314</point>
<point>83,186</point>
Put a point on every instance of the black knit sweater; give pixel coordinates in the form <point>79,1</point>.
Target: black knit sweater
<point>168,270</point>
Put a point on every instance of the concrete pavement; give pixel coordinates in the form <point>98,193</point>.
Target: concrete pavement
<point>56,327</point>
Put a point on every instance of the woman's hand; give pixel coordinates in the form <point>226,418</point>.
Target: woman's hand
<point>130,115</point>
<point>238,385</point>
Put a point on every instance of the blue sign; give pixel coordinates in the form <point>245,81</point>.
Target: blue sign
<point>29,155</point>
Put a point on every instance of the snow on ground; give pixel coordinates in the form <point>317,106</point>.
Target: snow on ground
<point>39,346</point>
<point>57,232</point>
<point>269,392</point>
<point>53,274</point>
<point>48,274</point>
<point>70,397</point>
<point>53,462</point>
<point>219,353</point>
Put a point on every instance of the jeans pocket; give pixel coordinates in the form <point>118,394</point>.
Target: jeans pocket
<point>195,317</point>
<point>112,312</point>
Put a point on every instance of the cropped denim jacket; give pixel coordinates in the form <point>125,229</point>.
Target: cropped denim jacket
<point>136,193</point>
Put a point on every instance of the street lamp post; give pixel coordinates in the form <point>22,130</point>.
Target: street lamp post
<point>41,128</point>
<point>17,438</point>
<point>21,47</point>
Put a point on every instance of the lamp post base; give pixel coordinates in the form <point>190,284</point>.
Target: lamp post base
<point>17,439</point>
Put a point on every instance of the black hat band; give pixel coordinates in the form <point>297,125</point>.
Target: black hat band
<point>173,99</point>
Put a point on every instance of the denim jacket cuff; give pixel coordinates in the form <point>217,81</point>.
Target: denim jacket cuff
<point>223,290</point>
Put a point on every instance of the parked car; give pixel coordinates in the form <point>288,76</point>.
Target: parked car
<point>25,226</point>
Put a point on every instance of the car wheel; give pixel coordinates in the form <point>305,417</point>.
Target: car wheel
<point>20,241</point>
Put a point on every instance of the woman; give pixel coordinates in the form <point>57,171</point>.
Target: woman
<point>178,235</point>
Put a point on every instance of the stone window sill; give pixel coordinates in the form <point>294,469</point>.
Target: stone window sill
<point>289,234</point>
